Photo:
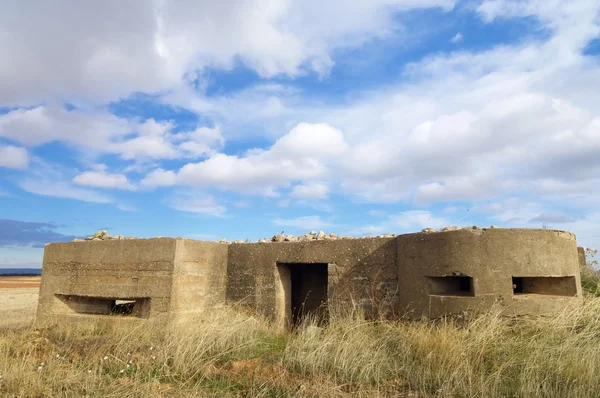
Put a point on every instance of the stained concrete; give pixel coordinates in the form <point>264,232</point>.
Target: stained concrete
<point>524,271</point>
<point>199,279</point>
<point>491,257</point>
<point>105,270</point>
<point>361,272</point>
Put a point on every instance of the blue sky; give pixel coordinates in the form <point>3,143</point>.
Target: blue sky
<point>243,119</point>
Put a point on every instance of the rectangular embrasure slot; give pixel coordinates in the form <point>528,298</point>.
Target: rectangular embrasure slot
<point>135,307</point>
<point>545,285</point>
<point>449,285</point>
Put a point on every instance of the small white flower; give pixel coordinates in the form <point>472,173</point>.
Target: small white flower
<point>122,371</point>
<point>40,368</point>
<point>90,371</point>
<point>151,348</point>
<point>105,357</point>
<point>128,354</point>
<point>130,361</point>
<point>57,355</point>
<point>153,357</point>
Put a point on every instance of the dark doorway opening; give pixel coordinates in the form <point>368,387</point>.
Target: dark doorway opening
<point>306,290</point>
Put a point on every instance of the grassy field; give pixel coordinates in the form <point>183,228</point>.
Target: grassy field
<point>232,353</point>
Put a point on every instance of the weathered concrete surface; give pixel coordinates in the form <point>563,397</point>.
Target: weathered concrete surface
<point>525,271</point>
<point>360,272</point>
<point>581,256</point>
<point>79,279</point>
<point>199,277</point>
<point>492,257</point>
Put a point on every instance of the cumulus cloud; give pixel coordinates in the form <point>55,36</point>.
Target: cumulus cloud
<point>13,157</point>
<point>306,152</point>
<point>521,118</point>
<point>199,203</point>
<point>159,178</point>
<point>104,51</point>
<point>50,179</point>
<point>311,190</point>
<point>104,133</point>
<point>102,179</point>
<point>518,119</point>
<point>47,123</point>
<point>62,189</point>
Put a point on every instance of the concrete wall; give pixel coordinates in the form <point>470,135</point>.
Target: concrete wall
<point>581,255</point>
<point>80,279</point>
<point>199,277</point>
<point>425,274</point>
<point>360,272</point>
<point>491,257</point>
<point>168,278</point>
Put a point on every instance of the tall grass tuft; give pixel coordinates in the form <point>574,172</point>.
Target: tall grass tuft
<point>229,352</point>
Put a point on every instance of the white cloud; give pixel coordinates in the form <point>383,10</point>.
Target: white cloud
<point>50,179</point>
<point>197,203</point>
<point>159,178</point>
<point>43,124</point>
<point>13,157</point>
<point>61,189</point>
<point>303,223</point>
<point>311,190</point>
<point>520,118</point>
<point>200,142</point>
<point>304,153</point>
<point>457,38</point>
<point>104,133</point>
<point>125,207</point>
<point>102,179</point>
<point>108,50</point>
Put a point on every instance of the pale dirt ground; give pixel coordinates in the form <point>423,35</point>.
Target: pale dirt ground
<point>18,303</point>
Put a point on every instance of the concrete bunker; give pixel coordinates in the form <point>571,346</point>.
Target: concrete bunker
<point>545,285</point>
<point>526,271</point>
<point>304,292</point>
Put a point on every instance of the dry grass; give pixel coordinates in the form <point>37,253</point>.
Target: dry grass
<point>233,353</point>
<point>230,353</point>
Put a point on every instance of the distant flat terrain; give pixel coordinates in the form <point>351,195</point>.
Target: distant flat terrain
<point>19,297</point>
<point>13,282</point>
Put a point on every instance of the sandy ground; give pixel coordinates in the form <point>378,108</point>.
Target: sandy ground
<point>19,281</point>
<point>19,298</point>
